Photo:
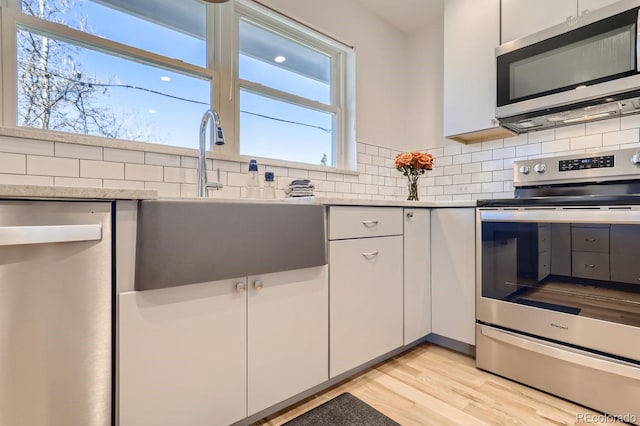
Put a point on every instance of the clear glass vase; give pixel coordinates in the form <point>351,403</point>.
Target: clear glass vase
<point>412,185</point>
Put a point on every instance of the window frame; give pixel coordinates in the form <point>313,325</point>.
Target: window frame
<point>340,54</point>
<point>221,70</point>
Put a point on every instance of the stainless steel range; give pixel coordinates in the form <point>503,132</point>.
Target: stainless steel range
<point>558,305</point>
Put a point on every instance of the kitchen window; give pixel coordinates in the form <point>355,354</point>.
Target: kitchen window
<point>77,66</point>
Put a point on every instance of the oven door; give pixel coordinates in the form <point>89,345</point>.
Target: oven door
<point>569,275</point>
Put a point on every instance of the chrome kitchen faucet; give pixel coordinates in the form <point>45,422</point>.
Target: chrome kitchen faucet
<point>217,138</point>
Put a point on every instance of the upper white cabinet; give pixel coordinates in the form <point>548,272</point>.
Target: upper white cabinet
<point>523,17</point>
<point>417,274</point>
<point>471,34</point>
<point>453,263</point>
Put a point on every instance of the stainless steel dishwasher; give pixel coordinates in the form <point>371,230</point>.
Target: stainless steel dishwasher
<point>55,313</point>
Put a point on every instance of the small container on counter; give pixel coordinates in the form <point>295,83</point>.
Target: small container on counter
<point>269,191</point>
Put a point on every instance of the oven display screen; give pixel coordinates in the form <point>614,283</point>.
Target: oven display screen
<point>586,163</point>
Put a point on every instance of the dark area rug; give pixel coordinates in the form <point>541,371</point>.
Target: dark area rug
<point>343,410</point>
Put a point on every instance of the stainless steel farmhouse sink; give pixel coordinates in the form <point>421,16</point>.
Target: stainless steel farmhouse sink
<point>183,242</point>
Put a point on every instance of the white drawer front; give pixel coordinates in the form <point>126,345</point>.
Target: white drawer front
<point>359,222</point>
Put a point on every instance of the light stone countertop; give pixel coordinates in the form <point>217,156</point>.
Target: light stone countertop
<point>65,192</point>
<point>62,192</point>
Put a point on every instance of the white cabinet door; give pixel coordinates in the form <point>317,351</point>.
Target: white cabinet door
<point>586,6</point>
<point>182,355</point>
<point>471,33</point>
<point>523,17</point>
<point>366,297</point>
<point>417,274</point>
<point>453,264</point>
<point>288,337</point>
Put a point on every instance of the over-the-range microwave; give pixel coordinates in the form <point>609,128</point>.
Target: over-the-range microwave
<point>585,69</point>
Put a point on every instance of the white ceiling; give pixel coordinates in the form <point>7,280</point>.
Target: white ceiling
<point>406,15</point>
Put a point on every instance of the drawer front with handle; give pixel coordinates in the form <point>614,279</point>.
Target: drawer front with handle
<point>361,222</point>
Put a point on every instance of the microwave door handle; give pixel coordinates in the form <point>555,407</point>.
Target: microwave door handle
<point>18,235</point>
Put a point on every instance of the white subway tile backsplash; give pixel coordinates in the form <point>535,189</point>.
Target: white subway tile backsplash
<point>101,169</point>
<point>26,146</point>
<point>522,139</point>
<point>124,156</point>
<point>491,187</point>
<point>555,146</point>
<point>180,175</point>
<point>13,163</point>
<point>504,153</point>
<point>482,156</point>
<point>8,179</point>
<point>584,142</point>
<point>568,132</point>
<point>454,149</point>
<point>603,126</point>
<point>472,168</point>
<point>499,175</point>
<point>164,189</point>
<point>157,159</point>
<point>489,166</point>
<point>365,178</point>
<point>384,152</point>
<point>123,184</point>
<point>372,150</point>
<point>622,137</point>
<point>482,177</point>
<point>542,136</point>
<point>52,166</point>
<point>462,158</point>
<point>529,149</point>
<point>77,182</point>
<point>343,187</point>
<point>143,172</point>
<point>630,122</point>
<point>461,179</point>
<point>453,170</point>
<point>498,143</point>
<point>70,150</point>
<point>365,159</point>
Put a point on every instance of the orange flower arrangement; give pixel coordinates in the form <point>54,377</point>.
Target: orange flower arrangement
<point>412,165</point>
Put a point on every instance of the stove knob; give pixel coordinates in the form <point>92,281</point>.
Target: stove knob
<point>635,158</point>
<point>540,168</point>
<point>524,169</point>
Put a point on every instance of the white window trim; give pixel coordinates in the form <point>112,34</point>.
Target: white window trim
<point>221,70</point>
<point>343,90</point>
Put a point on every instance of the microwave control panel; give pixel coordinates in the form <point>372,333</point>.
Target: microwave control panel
<point>586,163</point>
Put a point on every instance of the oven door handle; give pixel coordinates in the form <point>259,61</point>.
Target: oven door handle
<point>569,215</point>
<point>554,351</point>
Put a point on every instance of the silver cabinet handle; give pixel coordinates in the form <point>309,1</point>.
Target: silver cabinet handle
<point>240,287</point>
<point>590,240</point>
<point>370,254</point>
<point>589,265</point>
<point>369,222</point>
<point>15,235</point>
<point>409,214</point>
<point>257,284</point>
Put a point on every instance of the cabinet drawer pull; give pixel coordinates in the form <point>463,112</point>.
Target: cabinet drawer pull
<point>240,287</point>
<point>371,254</point>
<point>589,265</point>
<point>409,214</point>
<point>257,284</point>
<point>590,240</point>
<point>369,222</point>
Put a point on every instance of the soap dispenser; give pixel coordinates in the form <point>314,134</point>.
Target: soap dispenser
<point>253,181</point>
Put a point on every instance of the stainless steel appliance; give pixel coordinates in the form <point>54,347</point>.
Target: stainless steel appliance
<point>585,69</point>
<point>55,313</point>
<point>558,297</point>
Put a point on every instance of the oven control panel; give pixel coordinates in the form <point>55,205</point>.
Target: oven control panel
<point>586,163</point>
<point>623,164</point>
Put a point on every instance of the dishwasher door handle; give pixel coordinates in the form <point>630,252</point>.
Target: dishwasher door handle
<point>17,235</point>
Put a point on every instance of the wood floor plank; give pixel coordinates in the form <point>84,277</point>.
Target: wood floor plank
<point>432,385</point>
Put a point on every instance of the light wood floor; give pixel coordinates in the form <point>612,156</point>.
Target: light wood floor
<point>431,385</point>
